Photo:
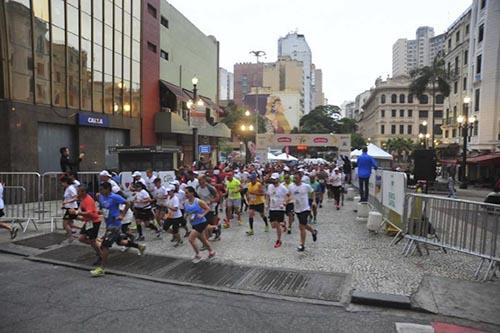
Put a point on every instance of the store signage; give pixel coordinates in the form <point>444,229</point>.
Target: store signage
<point>204,149</point>
<point>94,120</point>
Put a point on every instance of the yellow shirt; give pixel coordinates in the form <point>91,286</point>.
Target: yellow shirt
<point>255,199</point>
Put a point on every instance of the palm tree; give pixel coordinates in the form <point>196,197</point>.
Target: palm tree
<point>398,145</point>
<point>434,75</point>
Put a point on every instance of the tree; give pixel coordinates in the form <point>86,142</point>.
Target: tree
<point>319,120</point>
<point>357,141</point>
<point>435,76</point>
<point>235,117</point>
<point>399,147</point>
<point>346,125</point>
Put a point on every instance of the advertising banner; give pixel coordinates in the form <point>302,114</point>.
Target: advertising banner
<point>393,190</point>
<point>341,141</point>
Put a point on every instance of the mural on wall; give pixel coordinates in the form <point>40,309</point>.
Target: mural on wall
<point>275,113</point>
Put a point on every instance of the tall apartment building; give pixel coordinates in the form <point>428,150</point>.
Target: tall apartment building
<point>359,101</point>
<point>295,46</point>
<point>408,55</point>
<point>317,86</point>
<point>226,85</point>
<point>391,111</point>
<point>246,76</point>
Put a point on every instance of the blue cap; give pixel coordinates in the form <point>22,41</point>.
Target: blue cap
<point>252,176</point>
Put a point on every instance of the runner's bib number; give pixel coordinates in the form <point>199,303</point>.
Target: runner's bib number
<point>105,213</point>
<point>89,225</point>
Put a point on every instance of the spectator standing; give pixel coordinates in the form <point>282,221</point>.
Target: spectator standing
<point>365,165</point>
<point>66,164</point>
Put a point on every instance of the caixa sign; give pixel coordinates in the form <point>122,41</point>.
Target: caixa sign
<point>95,120</point>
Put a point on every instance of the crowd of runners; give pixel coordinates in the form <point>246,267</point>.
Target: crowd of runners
<point>198,205</point>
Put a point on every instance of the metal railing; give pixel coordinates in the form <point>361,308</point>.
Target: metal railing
<point>460,225</point>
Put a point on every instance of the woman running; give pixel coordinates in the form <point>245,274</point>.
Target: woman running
<point>196,210</point>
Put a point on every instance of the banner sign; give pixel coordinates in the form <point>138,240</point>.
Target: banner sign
<point>393,190</point>
<point>198,117</point>
<point>92,119</point>
<point>204,149</point>
<point>341,141</point>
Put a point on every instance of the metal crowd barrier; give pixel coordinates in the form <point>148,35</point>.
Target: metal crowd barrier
<point>21,197</point>
<point>465,226</point>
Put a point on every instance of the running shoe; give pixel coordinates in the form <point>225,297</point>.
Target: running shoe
<point>211,254</point>
<point>338,207</point>
<point>13,232</point>
<point>98,271</point>
<point>173,239</point>
<point>226,225</point>
<point>217,233</point>
<point>301,248</point>
<point>158,234</point>
<point>266,229</point>
<point>124,248</point>
<point>140,238</point>
<point>141,249</point>
<point>250,232</point>
<point>196,259</point>
<point>315,235</point>
<point>277,244</point>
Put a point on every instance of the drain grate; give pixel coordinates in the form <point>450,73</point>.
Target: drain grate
<point>42,241</point>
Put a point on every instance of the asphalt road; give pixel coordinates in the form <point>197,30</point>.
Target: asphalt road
<point>46,298</point>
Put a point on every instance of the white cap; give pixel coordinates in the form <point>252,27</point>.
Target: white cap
<point>104,173</point>
<point>136,174</point>
<point>174,182</point>
<point>170,188</point>
<point>286,168</point>
<point>275,175</point>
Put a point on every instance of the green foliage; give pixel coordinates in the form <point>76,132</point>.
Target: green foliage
<point>235,117</point>
<point>434,75</point>
<point>357,141</point>
<point>346,125</point>
<point>399,147</point>
<point>320,120</point>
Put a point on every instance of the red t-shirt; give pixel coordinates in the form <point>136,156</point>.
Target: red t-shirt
<point>87,205</point>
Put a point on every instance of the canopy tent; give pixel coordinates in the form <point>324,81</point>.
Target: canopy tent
<point>374,151</point>
<point>286,157</point>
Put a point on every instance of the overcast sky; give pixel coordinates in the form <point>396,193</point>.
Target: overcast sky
<point>350,40</point>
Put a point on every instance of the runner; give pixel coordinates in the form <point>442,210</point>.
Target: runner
<point>92,221</point>
<point>322,177</point>
<point>287,181</point>
<point>233,201</point>
<point>191,179</point>
<point>160,197</point>
<point>149,181</point>
<point>70,206</point>
<point>142,211</point>
<point>210,196</point>
<point>300,192</point>
<point>182,197</point>
<point>173,216</point>
<point>197,209</point>
<point>12,229</point>
<point>336,179</point>
<point>105,177</point>
<point>110,208</point>
<point>314,198</point>
<point>278,196</point>
<point>256,200</point>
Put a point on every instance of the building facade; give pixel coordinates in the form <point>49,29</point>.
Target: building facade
<point>69,76</point>
<point>391,111</point>
<point>359,101</point>
<point>348,109</point>
<point>317,82</point>
<point>226,84</point>
<point>246,76</point>
<point>408,55</point>
<point>295,46</point>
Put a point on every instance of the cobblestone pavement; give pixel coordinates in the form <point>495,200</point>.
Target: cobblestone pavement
<point>344,245</point>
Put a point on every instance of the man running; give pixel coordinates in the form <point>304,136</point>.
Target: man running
<point>142,211</point>
<point>336,180</point>
<point>210,196</point>
<point>110,209</point>
<point>233,201</point>
<point>181,195</point>
<point>92,221</point>
<point>287,181</point>
<point>173,216</point>
<point>300,192</point>
<point>256,199</point>
<point>314,198</point>
<point>278,196</point>
<point>70,206</point>
<point>160,197</point>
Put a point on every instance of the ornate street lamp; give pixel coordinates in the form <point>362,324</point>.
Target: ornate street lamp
<point>466,125</point>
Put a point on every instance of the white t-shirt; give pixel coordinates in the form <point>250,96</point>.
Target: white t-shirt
<point>128,217</point>
<point>173,202</point>
<point>206,195</point>
<point>114,186</point>
<point>2,205</point>
<point>69,194</point>
<point>301,195</point>
<point>182,198</point>
<point>150,186</point>
<point>277,196</point>
<point>142,195</point>
<point>336,179</point>
<point>193,183</point>
<point>160,194</point>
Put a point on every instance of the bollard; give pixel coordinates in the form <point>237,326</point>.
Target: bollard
<point>363,210</point>
<point>374,221</point>
<point>350,193</point>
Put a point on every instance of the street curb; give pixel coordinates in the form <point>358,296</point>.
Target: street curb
<point>381,299</point>
<point>18,250</point>
<point>193,285</point>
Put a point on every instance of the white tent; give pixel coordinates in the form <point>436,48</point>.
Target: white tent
<point>285,157</point>
<point>315,161</point>
<point>271,157</point>
<point>374,151</point>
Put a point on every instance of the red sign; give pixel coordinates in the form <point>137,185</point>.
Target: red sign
<point>320,140</point>
<point>284,140</point>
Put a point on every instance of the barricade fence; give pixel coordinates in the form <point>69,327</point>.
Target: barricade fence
<point>466,226</point>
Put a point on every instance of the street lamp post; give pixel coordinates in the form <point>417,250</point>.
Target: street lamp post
<point>246,131</point>
<point>190,104</point>
<point>465,124</point>
<point>257,54</point>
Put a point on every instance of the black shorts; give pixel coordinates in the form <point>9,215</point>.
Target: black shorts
<point>303,217</point>
<point>258,208</point>
<point>68,216</point>
<point>143,214</point>
<point>2,214</point>
<point>211,217</point>
<point>90,233</point>
<point>112,236</point>
<point>125,227</point>
<point>172,223</point>
<point>289,208</point>
<point>161,210</point>
<point>277,216</point>
<point>200,227</point>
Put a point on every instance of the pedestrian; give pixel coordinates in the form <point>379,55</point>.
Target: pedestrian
<point>287,181</point>
<point>143,212</point>
<point>69,206</point>
<point>160,197</point>
<point>336,181</point>
<point>66,163</point>
<point>365,165</point>
<point>452,193</point>
<point>347,167</point>
<point>89,214</point>
<point>256,199</point>
<point>12,229</point>
<point>277,195</point>
<point>301,192</point>
<point>181,195</point>
<point>314,198</point>
<point>149,180</point>
<point>173,216</point>
<point>233,201</point>
<point>196,210</point>
<point>210,196</point>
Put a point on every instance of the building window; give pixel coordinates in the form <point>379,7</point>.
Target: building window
<point>449,44</point>
<point>164,22</point>
<point>382,99</point>
<point>152,10</point>
<point>447,113</point>
<point>382,129</point>
<point>456,65</point>
<point>478,64</point>
<point>164,55</point>
<point>455,87</point>
<point>382,113</point>
<point>394,98</point>
<point>393,129</point>
<point>467,28</point>
<point>152,47</point>
<point>401,129</point>
<point>423,99</point>
<point>448,66</point>
<point>402,98</point>
<point>410,98</point>
<point>446,133</point>
<point>453,133</point>
<point>401,113</point>
<point>476,128</point>
<point>410,113</point>
<point>437,129</point>
<point>454,112</point>
<point>466,57</point>
<point>465,83</point>
<point>457,37</point>
<point>476,100</point>
<point>423,114</point>
<point>438,114</point>
<point>480,34</point>
<point>410,129</point>
<point>483,4</point>
<point>393,113</point>
<point>439,99</point>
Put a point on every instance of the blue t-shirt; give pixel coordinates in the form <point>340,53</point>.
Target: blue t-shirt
<point>316,186</point>
<point>194,209</point>
<point>111,209</point>
<point>365,164</point>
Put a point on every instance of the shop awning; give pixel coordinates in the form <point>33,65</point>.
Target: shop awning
<point>488,159</point>
<point>448,162</point>
<point>176,90</point>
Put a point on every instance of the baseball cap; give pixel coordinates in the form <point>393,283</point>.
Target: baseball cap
<point>136,174</point>
<point>174,182</point>
<point>252,176</point>
<point>104,173</point>
<point>170,188</point>
<point>275,176</point>
<point>286,168</point>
